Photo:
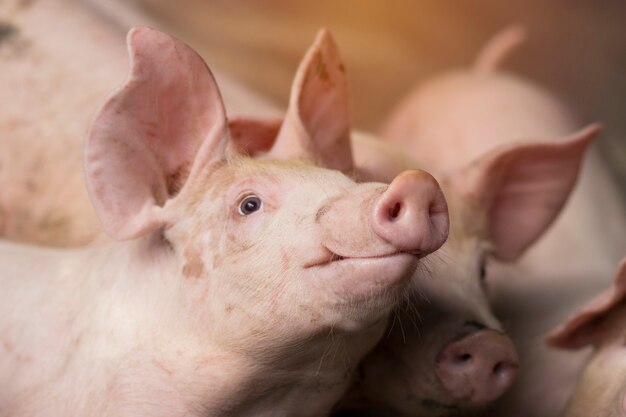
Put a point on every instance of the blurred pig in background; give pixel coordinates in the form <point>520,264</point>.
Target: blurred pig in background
<point>451,355</point>
<point>457,117</point>
<point>59,61</point>
<point>601,389</point>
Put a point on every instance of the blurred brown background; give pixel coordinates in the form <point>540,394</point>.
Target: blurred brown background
<point>576,48</point>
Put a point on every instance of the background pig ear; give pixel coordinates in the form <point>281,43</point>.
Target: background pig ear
<point>499,47</point>
<point>253,136</point>
<point>581,329</point>
<point>317,123</point>
<point>161,127</point>
<point>523,188</point>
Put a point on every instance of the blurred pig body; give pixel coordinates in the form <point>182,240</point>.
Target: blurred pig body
<point>233,272</point>
<point>450,121</point>
<point>59,60</point>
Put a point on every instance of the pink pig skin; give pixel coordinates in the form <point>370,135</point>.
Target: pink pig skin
<point>449,121</point>
<point>234,271</point>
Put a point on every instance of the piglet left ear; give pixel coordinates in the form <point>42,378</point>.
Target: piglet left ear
<point>582,328</point>
<point>523,188</point>
<point>164,126</point>
<point>317,124</point>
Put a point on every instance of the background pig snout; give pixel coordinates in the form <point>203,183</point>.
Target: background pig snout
<point>412,213</point>
<point>478,368</point>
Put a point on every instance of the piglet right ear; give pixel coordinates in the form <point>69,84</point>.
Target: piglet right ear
<point>582,328</point>
<point>149,139</point>
<point>317,123</point>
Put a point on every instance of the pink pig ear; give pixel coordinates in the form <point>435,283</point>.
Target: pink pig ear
<point>499,47</point>
<point>253,136</point>
<point>581,329</point>
<point>317,123</point>
<point>162,126</point>
<point>523,188</point>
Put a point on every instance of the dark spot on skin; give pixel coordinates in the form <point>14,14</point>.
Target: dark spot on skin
<point>12,44</point>
<point>54,224</point>
<point>31,186</point>
<point>229,308</point>
<point>320,67</point>
<point>342,67</point>
<point>76,342</point>
<point>24,4</point>
<point>322,210</point>
<point>7,31</point>
<point>194,267</point>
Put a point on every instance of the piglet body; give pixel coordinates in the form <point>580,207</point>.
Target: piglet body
<point>230,273</point>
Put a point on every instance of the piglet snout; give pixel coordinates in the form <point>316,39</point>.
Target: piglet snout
<point>412,213</point>
<point>478,368</point>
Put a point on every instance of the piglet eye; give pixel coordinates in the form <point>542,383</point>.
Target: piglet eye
<point>249,205</point>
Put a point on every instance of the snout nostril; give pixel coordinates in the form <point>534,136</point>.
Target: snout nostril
<point>466,357</point>
<point>498,368</point>
<point>394,211</point>
<point>503,368</point>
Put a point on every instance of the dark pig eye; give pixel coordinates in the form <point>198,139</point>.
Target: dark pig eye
<point>249,205</point>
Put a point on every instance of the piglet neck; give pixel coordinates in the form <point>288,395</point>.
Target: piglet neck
<point>265,376</point>
<point>279,383</point>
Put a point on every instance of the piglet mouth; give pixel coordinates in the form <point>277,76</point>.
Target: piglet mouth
<point>331,257</point>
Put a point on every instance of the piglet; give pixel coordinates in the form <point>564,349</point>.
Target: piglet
<point>601,389</point>
<point>236,286</point>
<point>445,351</point>
<point>508,155</point>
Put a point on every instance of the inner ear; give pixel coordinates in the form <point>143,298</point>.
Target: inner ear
<point>253,136</point>
<point>317,123</point>
<point>166,123</point>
